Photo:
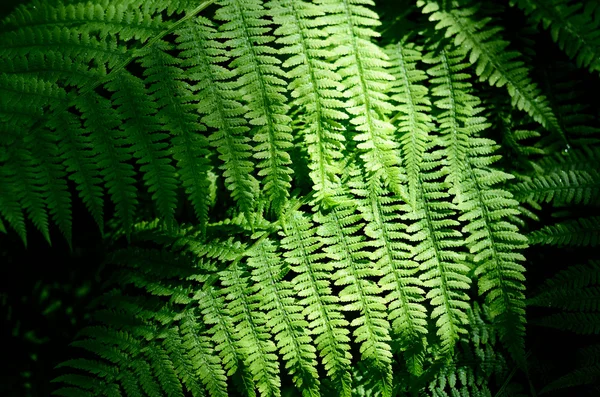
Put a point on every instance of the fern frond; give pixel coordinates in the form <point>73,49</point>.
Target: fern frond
<point>194,358</point>
<point>10,208</point>
<point>51,175</point>
<point>437,250</point>
<point>576,288</point>
<point>314,85</point>
<point>261,79</point>
<point>104,17</point>
<point>560,188</point>
<point>578,232</point>
<point>251,331</point>
<point>277,298</point>
<point>147,143</point>
<point>584,375</point>
<point>202,54</point>
<point>80,163</point>
<point>573,26</point>
<point>176,112</point>
<point>494,63</point>
<point>348,250</point>
<point>392,254</point>
<point>582,323</point>
<point>320,306</point>
<point>21,174</point>
<point>109,147</point>
<point>485,208</point>
<point>222,332</point>
<point>362,66</point>
<point>496,244</point>
<point>458,121</point>
<point>413,110</point>
<point>77,46</point>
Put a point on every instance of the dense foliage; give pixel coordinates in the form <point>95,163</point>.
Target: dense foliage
<point>336,197</point>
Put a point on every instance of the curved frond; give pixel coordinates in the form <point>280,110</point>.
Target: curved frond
<point>493,62</point>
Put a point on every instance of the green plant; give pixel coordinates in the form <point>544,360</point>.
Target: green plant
<point>303,197</point>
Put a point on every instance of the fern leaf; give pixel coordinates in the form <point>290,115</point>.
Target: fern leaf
<point>202,54</point>
<point>147,144</point>
<point>572,26</point>
<point>496,243</point>
<point>457,120</point>
<point>560,188</point>
<point>575,232</point>
<point>104,17</point>
<point>320,306</point>
<point>261,79</point>
<point>483,206</point>
<point>392,254</point>
<point>81,164</point>
<point>585,375</point>
<point>348,251</point>
<point>79,47</point>
<point>582,323</point>
<point>576,288</point>
<point>250,330</point>
<point>176,112</point>
<point>51,176</point>
<point>314,85</point>
<point>362,66</point>
<point>10,208</point>
<point>188,355</point>
<point>111,154</point>
<point>493,61</point>
<point>222,329</point>
<point>413,109</point>
<point>164,370</point>
<point>288,326</point>
<point>437,250</point>
<point>21,173</point>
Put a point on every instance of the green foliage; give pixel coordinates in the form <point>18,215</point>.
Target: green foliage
<point>310,197</point>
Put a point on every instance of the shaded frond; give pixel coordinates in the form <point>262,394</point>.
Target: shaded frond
<point>148,146</point>
<point>560,188</point>
<point>574,232</point>
<point>177,113</point>
<point>572,25</point>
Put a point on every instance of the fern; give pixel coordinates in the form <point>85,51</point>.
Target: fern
<point>493,63</point>
<point>573,27</point>
<point>577,232</point>
<point>315,198</point>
